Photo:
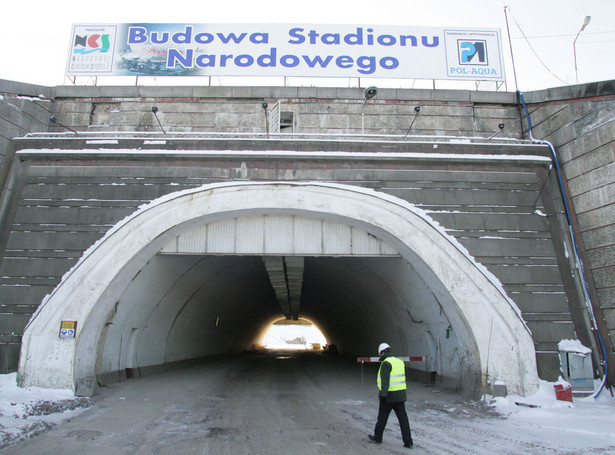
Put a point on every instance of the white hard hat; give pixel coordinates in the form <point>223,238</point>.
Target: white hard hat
<point>383,347</point>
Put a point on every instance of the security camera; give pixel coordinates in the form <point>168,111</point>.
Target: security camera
<point>154,109</point>
<point>501,126</point>
<point>370,92</point>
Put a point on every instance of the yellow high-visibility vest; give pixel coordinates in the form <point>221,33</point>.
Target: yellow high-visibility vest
<point>397,381</point>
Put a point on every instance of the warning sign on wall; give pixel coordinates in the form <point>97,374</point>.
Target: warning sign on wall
<point>68,329</point>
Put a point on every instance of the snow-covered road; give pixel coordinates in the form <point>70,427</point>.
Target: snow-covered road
<point>303,403</point>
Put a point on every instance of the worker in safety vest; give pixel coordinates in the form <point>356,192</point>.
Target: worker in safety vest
<point>392,395</point>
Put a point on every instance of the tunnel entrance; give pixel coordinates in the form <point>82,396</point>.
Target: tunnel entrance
<point>200,272</point>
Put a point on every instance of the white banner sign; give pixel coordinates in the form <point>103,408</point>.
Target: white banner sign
<point>286,50</point>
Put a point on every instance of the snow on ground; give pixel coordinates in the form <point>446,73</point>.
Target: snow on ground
<point>575,426</point>
<point>25,412</point>
<point>566,424</point>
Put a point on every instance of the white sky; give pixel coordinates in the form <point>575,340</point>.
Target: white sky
<point>35,35</point>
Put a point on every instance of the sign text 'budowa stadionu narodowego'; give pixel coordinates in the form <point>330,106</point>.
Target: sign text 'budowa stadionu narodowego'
<point>285,50</point>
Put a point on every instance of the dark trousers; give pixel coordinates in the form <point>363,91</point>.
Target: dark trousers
<point>383,416</point>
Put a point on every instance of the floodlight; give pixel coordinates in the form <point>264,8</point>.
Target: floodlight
<point>370,92</point>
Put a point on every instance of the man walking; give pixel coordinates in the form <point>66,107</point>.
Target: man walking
<point>392,395</point>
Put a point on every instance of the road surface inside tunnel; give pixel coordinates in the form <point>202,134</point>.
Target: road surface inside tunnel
<point>276,402</point>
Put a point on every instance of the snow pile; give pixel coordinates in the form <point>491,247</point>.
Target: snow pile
<point>29,411</point>
<point>585,419</point>
<point>573,346</point>
<point>544,398</point>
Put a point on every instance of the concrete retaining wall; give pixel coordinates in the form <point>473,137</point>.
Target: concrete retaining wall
<point>490,222</point>
<point>24,108</point>
<point>580,122</point>
<point>308,110</point>
<point>67,204</point>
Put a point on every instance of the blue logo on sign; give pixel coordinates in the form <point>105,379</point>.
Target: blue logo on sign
<point>472,52</point>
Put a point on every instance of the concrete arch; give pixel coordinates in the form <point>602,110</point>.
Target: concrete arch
<point>491,333</point>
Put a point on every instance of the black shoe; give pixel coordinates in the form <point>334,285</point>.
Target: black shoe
<point>409,445</point>
<point>373,438</point>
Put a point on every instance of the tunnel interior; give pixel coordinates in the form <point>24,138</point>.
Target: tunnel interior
<point>183,308</point>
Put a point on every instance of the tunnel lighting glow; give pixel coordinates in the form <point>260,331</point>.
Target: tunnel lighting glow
<point>294,335</point>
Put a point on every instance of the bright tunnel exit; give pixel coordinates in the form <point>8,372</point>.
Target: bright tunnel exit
<point>289,335</point>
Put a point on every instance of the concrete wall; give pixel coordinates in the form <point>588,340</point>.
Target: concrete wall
<point>24,108</point>
<point>580,122</point>
<point>314,110</point>
<point>66,203</point>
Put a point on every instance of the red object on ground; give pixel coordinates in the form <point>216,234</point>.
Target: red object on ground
<point>563,392</point>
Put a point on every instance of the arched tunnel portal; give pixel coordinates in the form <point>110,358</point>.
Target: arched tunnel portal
<point>203,272</point>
